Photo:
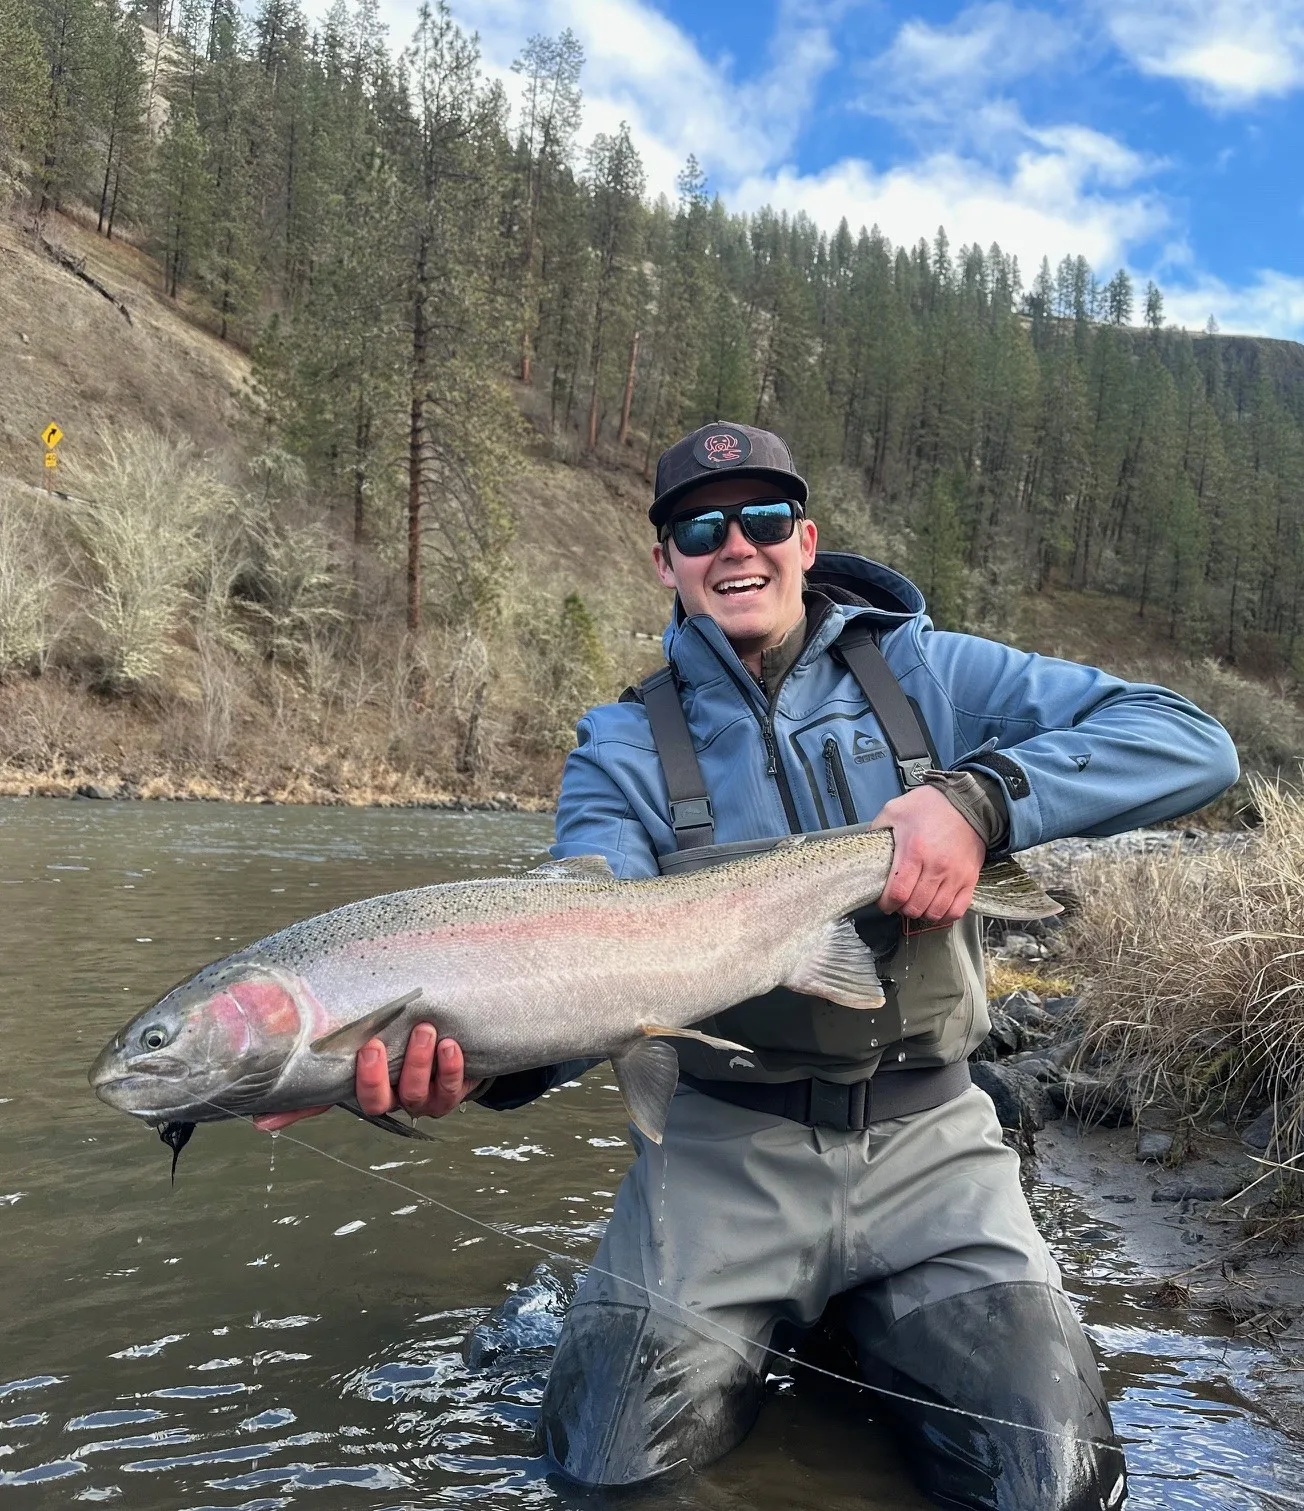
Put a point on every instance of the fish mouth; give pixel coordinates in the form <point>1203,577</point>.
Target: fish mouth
<point>114,1081</point>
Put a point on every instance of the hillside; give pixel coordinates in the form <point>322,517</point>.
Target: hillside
<point>360,716</point>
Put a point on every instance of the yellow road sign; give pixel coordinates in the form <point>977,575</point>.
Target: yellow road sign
<point>51,460</point>
<point>51,435</point>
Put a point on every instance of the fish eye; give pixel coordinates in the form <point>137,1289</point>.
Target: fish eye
<point>154,1037</point>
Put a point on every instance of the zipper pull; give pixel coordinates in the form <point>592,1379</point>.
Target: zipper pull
<point>771,754</point>
<point>830,784</point>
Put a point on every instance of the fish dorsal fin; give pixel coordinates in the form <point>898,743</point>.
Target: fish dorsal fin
<point>659,1031</point>
<point>841,969</point>
<point>575,868</point>
<point>647,1072</point>
<point>1005,890</point>
<point>349,1039</point>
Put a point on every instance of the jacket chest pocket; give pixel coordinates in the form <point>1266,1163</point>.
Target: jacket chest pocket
<point>848,767</point>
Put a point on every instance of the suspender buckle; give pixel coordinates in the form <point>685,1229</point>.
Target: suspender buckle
<point>692,813</point>
<point>914,770</point>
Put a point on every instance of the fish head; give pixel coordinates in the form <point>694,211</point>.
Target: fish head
<point>212,1047</point>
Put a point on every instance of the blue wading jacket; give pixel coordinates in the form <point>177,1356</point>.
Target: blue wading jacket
<point>1086,753</point>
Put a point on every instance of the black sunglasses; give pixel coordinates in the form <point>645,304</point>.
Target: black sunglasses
<point>765,522</point>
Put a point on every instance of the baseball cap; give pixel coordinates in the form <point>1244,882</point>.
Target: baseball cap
<point>722,449</point>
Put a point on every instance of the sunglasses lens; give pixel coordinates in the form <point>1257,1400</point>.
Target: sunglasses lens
<point>767,524</point>
<point>700,534</point>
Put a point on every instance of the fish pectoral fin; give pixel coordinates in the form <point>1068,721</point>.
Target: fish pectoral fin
<point>1005,890</point>
<point>575,868</point>
<point>350,1039</point>
<point>647,1072</point>
<point>389,1124</point>
<point>841,969</point>
<point>659,1031</point>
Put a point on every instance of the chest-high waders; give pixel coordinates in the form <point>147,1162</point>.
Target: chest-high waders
<point>843,1182</point>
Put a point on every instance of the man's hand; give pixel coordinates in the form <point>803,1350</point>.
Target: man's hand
<point>432,1082</point>
<point>937,857</point>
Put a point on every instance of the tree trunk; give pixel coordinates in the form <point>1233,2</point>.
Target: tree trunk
<point>416,442</point>
<point>623,438</point>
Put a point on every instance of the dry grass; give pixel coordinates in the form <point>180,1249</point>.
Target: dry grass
<point>1194,973</point>
<point>1007,976</point>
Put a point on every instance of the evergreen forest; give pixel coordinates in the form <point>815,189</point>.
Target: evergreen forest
<point>423,271</point>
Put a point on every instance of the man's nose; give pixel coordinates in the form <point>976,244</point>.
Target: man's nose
<point>735,542</point>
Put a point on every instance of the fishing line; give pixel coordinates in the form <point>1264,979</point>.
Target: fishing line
<point>698,1324</point>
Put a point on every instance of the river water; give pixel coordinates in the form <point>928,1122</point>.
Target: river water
<point>282,1330</point>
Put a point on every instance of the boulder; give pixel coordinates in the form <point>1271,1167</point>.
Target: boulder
<point>1091,1100</point>
<point>1020,1101</point>
<point>96,791</point>
<point>1153,1144</point>
<point>1260,1132</point>
<point>1216,1187</point>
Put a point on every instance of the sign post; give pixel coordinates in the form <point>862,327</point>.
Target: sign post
<point>51,435</point>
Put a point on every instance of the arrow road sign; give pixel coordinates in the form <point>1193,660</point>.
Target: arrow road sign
<point>51,435</point>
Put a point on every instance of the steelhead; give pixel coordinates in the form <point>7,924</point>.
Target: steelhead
<point>562,963</point>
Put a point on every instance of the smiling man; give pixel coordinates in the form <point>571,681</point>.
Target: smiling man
<point>847,1168</point>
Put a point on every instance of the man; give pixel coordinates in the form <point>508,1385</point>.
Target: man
<point>852,1167</point>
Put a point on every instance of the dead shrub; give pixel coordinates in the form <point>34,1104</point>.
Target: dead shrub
<point>1193,972</point>
<point>30,579</point>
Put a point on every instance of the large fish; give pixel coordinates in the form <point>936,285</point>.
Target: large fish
<point>561,963</point>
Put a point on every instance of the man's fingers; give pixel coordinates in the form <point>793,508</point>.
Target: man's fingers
<point>414,1080</point>
<point>900,885</point>
<point>449,1084</point>
<point>371,1082</point>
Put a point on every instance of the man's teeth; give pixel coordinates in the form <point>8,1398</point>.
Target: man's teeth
<point>740,584</point>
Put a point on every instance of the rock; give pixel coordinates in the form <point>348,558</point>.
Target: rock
<point>1091,1100</point>
<point>1153,1143</point>
<point>1260,1132</point>
<point>1058,1007</point>
<point>1019,946</point>
<point>127,791</point>
<point>94,790</point>
<point>1020,1101</point>
<point>1004,1037</point>
<point>527,1323</point>
<point>1217,1187</point>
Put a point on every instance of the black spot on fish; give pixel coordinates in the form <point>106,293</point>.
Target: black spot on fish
<point>176,1136</point>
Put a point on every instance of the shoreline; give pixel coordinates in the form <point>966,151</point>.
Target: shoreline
<point>97,786</point>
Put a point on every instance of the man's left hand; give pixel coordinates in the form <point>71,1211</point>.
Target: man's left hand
<point>936,858</point>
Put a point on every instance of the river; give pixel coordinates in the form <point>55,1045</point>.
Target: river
<point>282,1328</point>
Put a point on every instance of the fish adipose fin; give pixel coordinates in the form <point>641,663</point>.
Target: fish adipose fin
<point>841,969</point>
<point>1005,890</point>
<point>575,868</point>
<point>659,1031</point>
<point>350,1039</point>
<point>389,1124</point>
<point>647,1072</point>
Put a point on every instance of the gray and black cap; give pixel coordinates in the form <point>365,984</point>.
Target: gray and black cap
<point>740,450</point>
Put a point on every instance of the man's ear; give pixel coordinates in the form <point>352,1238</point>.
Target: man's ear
<point>809,538</point>
<point>661,561</point>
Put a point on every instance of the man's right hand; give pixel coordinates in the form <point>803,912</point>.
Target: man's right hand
<point>432,1082</point>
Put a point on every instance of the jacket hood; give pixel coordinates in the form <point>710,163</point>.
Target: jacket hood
<point>857,585</point>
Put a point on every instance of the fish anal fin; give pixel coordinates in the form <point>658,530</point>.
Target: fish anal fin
<point>1005,890</point>
<point>575,868</point>
<point>841,970</point>
<point>349,1039</point>
<point>660,1031</point>
<point>647,1072</point>
<point>388,1124</point>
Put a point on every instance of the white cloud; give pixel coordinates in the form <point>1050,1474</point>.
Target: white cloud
<point>1227,52</point>
<point>931,72</point>
<point>1272,305</point>
<point>1043,205</point>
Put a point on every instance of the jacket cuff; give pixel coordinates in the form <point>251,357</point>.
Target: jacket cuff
<point>979,799</point>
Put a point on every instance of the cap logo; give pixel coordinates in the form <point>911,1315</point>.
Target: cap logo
<point>722,448</point>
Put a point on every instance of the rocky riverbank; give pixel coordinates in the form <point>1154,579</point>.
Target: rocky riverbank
<point>1206,1215</point>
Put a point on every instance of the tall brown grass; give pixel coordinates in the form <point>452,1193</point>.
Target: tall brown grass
<point>1194,973</point>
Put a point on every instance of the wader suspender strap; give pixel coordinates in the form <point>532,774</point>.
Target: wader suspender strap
<point>690,806</point>
<point>901,725</point>
<point>691,814</point>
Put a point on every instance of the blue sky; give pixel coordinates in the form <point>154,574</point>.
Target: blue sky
<point>1161,135</point>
